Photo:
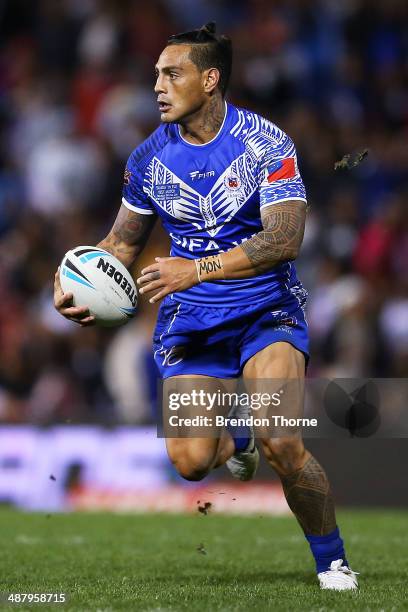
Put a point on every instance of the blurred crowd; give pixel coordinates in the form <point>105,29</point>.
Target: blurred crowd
<point>76,96</point>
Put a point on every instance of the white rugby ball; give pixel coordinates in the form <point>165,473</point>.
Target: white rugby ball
<point>100,281</point>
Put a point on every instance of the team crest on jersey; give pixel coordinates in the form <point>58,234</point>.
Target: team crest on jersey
<point>127,176</point>
<point>283,319</point>
<point>232,182</point>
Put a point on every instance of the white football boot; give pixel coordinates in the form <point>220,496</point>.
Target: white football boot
<point>338,578</point>
<point>243,464</point>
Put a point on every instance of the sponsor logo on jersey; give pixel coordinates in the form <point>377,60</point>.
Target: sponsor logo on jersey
<point>202,244</point>
<point>282,169</point>
<point>195,175</point>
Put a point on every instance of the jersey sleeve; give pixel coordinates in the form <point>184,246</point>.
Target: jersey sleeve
<point>133,196</point>
<point>279,177</point>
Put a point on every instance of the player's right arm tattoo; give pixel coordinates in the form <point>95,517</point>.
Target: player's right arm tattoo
<point>308,494</point>
<point>282,235</point>
<point>128,235</point>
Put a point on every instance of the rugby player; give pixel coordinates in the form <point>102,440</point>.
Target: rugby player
<point>226,185</point>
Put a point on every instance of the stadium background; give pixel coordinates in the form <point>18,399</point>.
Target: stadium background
<point>76,97</point>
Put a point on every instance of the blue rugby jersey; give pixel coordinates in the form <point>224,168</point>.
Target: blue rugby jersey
<point>209,197</point>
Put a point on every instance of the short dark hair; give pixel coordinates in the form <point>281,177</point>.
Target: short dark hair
<point>208,51</point>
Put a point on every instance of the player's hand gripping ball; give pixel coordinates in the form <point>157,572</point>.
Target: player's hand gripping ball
<point>100,282</point>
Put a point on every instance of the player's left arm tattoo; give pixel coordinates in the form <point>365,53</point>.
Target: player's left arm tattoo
<point>281,238</point>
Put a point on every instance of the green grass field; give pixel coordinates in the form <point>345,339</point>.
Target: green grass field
<point>196,562</point>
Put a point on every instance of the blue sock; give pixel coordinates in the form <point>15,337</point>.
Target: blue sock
<point>326,549</point>
<point>240,435</point>
<point>241,444</point>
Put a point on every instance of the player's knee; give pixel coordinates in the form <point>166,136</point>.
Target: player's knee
<point>191,471</point>
<point>286,455</point>
<point>192,466</point>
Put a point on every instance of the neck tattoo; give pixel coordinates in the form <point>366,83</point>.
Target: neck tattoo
<point>206,126</point>
<point>213,116</point>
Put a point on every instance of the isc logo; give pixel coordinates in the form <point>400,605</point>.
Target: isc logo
<point>173,355</point>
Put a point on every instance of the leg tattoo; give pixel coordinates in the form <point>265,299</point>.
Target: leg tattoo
<point>308,494</point>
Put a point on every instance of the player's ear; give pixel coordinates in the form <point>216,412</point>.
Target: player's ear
<point>211,79</point>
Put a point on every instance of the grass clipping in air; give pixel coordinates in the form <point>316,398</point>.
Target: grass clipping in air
<point>351,160</point>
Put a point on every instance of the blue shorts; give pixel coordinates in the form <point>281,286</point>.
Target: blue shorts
<point>191,339</point>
